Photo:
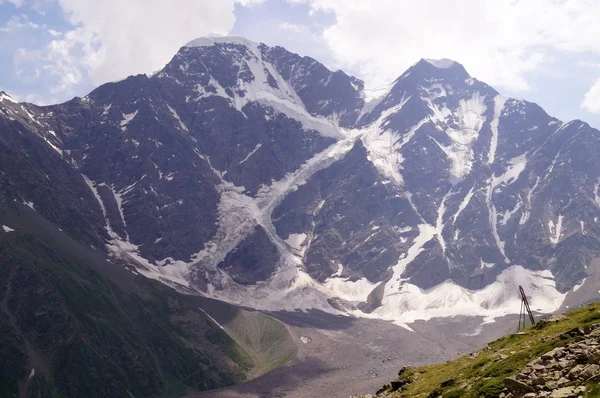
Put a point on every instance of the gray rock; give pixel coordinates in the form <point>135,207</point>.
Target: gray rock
<point>567,392</point>
<point>517,387</point>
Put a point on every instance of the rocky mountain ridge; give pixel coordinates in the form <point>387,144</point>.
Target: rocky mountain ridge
<point>254,175</point>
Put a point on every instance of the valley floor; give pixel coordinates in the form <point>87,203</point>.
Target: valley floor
<point>342,356</point>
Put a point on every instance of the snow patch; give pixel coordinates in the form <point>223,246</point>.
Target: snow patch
<point>493,217</point>
<point>176,116</point>
<point>576,287</point>
<point>57,149</point>
<point>463,205</point>
<point>93,187</point>
<point>256,148</point>
<point>6,97</point>
<point>555,229</point>
<point>410,303</point>
<point>281,96</point>
<point>426,233</point>
<point>513,171</point>
<point>127,117</point>
<point>384,146</point>
<point>295,241</point>
<point>439,224</point>
<point>339,271</point>
<point>499,102</point>
<point>443,63</point>
<point>462,126</point>
<point>29,115</point>
<point>355,291</point>
<point>596,195</point>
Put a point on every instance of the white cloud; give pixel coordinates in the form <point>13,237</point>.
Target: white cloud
<point>250,3</point>
<point>120,38</point>
<point>112,39</point>
<point>16,3</point>
<point>498,41</point>
<point>18,22</point>
<point>292,27</point>
<point>591,100</point>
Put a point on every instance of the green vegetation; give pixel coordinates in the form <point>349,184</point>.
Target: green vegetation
<point>267,340</point>
<point>482,374</point>
<point>92,329</point>
<point>593,390</point>
<point>454,393</point>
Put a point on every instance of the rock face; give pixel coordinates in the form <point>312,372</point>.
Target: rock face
<point>562,372</point>
<point>256,175</point>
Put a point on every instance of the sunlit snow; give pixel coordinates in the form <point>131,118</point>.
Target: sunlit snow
<point>6,97</point>
<point>127,117</point>
<point>282,97</point>
<point>442,63</point>
<point>410,303</point>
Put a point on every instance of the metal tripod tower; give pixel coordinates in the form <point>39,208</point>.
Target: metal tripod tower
<point>524,304</point>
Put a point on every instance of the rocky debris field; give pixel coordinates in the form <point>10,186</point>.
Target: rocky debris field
<point>563,372</point>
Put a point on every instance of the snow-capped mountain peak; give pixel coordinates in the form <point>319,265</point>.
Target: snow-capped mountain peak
<point>429,70</point>
<point>212,40</point>
<point>5,97</point>
<point>256,175</point>
<point>442,63</point>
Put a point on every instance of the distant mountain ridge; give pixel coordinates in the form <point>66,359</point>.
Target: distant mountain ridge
<point>251,174</point>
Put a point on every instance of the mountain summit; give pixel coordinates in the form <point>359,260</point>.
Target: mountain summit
<point>254,175</point>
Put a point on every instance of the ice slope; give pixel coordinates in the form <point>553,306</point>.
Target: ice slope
<point>409,303</point>
<point>384,146</point>
<point>462,125</point>
<point>6,97</point>
<point>443,63</point>
<point>281,96</point>
<point>290,287</point>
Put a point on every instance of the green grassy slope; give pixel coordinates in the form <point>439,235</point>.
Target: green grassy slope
<point>93,329</point>
<point>482,374</point>
<point>266,339</point>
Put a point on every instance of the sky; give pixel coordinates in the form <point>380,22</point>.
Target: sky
<point>544,51</point>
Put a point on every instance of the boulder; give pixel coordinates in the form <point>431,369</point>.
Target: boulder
<point>567,392</point>
<point>448,383</point>
<point>517,387</point>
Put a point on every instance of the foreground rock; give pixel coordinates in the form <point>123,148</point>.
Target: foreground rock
<point>562,372</point>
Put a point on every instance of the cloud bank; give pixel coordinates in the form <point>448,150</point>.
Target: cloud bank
<point>113,39</point>
<point>499,41</point>
<point>502,42</point>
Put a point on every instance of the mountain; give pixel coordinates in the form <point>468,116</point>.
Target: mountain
<point>253,175</point>
<point>73,324</point>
